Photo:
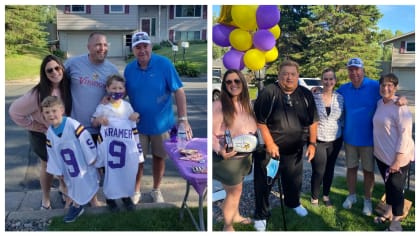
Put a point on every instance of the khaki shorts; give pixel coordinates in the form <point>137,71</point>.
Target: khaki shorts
<point>156,143</point>
<point>364,153</point>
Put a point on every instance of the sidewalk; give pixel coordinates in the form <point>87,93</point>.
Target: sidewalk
<point>22,208</point>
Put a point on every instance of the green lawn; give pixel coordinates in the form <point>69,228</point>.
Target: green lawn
<point>337,218</point>
<point>196,53</point>
<point>24,66</point>
<point>27,65</point>
<point>157,219</point>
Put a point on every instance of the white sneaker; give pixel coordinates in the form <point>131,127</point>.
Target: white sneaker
<point>367,207</point>
<point>136,198</point>
<point>157,196</point>
<point>260,225</point>
<point>300,210</point>
<point>350,200</point>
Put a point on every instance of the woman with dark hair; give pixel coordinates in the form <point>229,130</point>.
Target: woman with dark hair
<point>232,116</point>
<point>26,112</point>
<point>330,107</point>
<point>393,147</point>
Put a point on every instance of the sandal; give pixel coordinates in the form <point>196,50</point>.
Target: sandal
<point>245,221</point>
<point>44,208</point>
<point>380,219</point>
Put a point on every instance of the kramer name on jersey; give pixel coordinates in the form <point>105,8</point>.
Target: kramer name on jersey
<point>119,133</point>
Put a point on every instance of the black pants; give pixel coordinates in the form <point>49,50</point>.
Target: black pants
<point>323,166</point>
<point>394,187</point>
<point>291,169</point>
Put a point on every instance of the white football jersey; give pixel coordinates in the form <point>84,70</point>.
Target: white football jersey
<point>119,151</point>
<point>72,155</point>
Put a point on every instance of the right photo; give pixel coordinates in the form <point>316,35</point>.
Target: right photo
<point>313,118</point>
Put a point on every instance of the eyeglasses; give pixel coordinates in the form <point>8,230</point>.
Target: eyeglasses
<point>50,70</point>
<point>229,82</point>
<point>288,100</point>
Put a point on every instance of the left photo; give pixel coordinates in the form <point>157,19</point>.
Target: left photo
<point>106,118</point>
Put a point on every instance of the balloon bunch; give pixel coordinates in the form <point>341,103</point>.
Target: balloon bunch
<point>251,32</point>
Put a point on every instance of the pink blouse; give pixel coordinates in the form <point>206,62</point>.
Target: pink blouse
<point>392,133</point>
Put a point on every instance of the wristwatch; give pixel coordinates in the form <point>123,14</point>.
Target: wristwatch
<point>183,118</point>
<point>312,143</point>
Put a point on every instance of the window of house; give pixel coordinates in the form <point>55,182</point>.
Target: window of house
<point>187,35</point>
<point>78,9</point>
<point>116,9</point>
<point>410,47</point>
<point>188,11</point>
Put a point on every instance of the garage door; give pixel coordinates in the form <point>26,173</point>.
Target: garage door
<point>406,79</point>
<point>77,44</point>
<point>115,48</point>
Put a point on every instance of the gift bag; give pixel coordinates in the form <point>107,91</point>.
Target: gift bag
<point>381,207</point>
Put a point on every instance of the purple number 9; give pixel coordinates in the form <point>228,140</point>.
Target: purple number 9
<point>71,162</point>
<point>117,149</point>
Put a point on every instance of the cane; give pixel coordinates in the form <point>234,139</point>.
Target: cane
<point>281,200</point>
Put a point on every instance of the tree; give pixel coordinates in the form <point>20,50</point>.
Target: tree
<point>23,28</point>
<point>335,34</point>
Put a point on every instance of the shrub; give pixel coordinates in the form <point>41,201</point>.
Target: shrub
<point>187,69</point>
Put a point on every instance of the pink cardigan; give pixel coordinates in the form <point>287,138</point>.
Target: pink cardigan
<point>26,113</point>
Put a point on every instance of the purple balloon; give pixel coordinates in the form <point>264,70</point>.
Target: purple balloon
<point>264,40</point>
<point>221,34</point>
<point>267,16</point>
<point>233,59</point>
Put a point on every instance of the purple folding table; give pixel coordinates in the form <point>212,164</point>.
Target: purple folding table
<point>185,169</point>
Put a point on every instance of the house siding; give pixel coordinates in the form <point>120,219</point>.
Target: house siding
<point>97,19</point>
<point>403,63</point>
<point>74,28</point>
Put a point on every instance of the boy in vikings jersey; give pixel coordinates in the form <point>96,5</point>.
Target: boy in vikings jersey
<point>71,156</point>
<point>119,149</point>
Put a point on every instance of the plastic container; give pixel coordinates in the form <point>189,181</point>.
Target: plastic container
<point>181,137</point>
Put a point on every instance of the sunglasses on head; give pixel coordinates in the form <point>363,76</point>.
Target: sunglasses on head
<point>236,81</point>
<point>50,70</point>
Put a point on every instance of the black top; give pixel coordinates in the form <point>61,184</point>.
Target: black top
<point>287,117</point>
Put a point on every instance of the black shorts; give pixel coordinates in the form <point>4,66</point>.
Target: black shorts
<point>38,144</point>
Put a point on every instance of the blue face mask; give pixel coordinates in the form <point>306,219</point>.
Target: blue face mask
<point>116,96</point>
<point>272,168</point>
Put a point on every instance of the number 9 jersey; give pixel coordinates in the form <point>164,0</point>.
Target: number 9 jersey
<point>72,156</point>
<point>119,151</point>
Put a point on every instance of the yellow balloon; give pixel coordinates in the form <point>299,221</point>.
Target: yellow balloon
<point>271,55</point>
<point>225,16</point>
<point>245,16</point>
<point>275,30</point>
<point>254,59</point>
<point>240,39</point>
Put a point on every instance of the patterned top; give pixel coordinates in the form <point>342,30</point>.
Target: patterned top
<point>329,126</point>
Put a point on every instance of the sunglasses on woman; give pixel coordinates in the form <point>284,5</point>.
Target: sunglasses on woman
<point>236,81</point>
<point>50,70</point>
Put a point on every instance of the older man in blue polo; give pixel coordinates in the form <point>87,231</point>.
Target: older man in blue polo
<point>360,97</point>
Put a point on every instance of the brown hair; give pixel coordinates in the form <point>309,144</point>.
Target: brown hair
<point>113,78</point>
<point>51,101</point>
<point>228,108</point>
<point>288,63</point>
<point>389,77</point>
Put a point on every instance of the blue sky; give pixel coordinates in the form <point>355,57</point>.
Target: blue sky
<point>395,17</point>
